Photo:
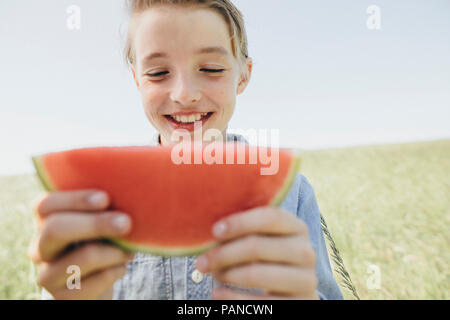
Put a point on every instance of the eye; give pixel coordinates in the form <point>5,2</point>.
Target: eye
<point>213,70</point>
<point>158,74</point>
<point>162,73</point>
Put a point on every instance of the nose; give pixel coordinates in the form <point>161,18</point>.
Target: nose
<point>185,90</point>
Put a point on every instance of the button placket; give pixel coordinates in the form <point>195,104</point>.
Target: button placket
<point>196,276</point>
<point>199,285</point>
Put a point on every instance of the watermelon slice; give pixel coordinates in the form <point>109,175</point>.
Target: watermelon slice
<point>172,206</point>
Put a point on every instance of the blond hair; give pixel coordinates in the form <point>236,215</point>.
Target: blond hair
<point>233,17</point>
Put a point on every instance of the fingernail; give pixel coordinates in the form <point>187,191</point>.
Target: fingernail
<point>202,263</point>
<point>220,229</point>
<point>121,223</point>
<point>97,199</point>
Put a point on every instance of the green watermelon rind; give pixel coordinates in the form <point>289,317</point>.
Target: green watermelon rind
<point>42,173</point>
<point>173,251</point>
<point>293,170</point>
<point>161,250</point>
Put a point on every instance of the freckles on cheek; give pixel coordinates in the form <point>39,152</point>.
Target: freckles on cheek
<point>221,91</point>
<point>150,101</point>
<point>149,94</point>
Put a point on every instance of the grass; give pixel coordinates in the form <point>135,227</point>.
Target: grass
<point>387,207</point>
<point>17,227</point>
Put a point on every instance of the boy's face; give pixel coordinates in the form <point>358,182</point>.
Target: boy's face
<point>185,69</point>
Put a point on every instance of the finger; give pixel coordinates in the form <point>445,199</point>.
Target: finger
<point>80,200</point>
<point>90,258</point>
<point>271,277</point>
<point>265,220</point>
<point>223,293</point>
<point>230,294</point>
<point>60,230</point>
<point>92,287</point>
<point>255,248</point>
<point>107,295</point>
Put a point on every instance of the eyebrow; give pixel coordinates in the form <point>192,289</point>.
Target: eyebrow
<point>220,50</point>
<point>207,50</point>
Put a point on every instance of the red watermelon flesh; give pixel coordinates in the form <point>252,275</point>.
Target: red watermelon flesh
<point>172,206</point>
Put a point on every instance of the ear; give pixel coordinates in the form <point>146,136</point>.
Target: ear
<point>133,71</point>
<point>245,76</point>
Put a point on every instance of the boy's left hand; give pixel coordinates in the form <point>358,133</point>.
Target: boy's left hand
<point>266,248</point>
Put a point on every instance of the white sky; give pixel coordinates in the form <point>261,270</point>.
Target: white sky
<point>320,76</point>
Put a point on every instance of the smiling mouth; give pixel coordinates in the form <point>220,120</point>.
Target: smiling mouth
<point>189,119</point>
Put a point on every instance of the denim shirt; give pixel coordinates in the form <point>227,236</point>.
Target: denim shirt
<point>160,278</point>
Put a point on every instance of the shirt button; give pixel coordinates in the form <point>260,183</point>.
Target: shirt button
<point>197,276</point>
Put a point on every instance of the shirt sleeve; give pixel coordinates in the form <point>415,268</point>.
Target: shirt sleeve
<point>45,295</point>
<point>308,211</point>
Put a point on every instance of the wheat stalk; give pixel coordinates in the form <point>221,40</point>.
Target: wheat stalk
<point>338,262</point>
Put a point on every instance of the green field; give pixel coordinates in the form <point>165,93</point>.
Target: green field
<point>387,207</point>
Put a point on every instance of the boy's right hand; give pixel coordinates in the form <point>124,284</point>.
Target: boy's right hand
<point>72,217</point>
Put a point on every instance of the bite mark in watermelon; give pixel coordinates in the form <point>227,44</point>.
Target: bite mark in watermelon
<point>172,207</point>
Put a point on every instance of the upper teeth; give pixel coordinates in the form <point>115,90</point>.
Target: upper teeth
<point>189,119</point>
